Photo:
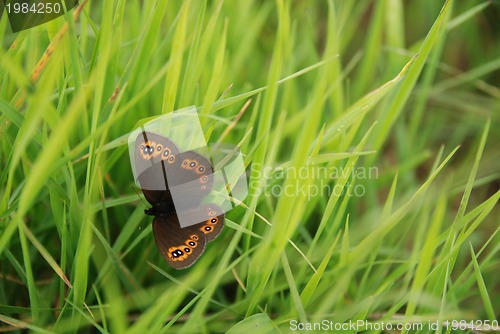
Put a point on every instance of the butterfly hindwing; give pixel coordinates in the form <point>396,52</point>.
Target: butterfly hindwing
<point>212,224</point>
<point>180,247</point>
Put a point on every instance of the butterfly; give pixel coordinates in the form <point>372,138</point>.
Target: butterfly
<point>164,169</point>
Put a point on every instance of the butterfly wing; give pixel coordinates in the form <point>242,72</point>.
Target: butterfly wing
<point>180,247</point>
<point>154,184</point>
<point>212,223</point>
<point>192,180</point>
<point>155,159</point>
<point>152,148</point>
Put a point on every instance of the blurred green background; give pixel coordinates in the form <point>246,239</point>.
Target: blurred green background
<point>370,134</point>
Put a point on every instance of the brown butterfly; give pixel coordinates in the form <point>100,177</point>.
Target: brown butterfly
<point>162,168</point>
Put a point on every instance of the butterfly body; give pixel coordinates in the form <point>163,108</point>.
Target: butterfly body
<point>160,210</point>
<point>165,171</point>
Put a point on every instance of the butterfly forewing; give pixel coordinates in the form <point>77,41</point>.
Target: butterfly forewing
<point>191,181</point>
<point>154,184</point>
<point>194,167</point>
<point>152,148</point>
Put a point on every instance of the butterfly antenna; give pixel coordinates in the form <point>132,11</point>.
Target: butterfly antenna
<point>144,134</point>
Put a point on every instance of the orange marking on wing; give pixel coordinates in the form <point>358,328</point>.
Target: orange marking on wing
<point>206,229</point>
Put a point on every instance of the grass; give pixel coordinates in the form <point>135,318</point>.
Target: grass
<point>370,134</point>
